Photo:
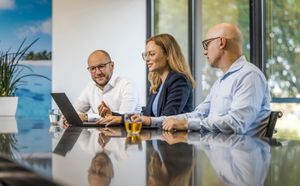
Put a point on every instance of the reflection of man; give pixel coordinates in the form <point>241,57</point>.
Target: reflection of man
<point>238,101</point>
<point>101,170</point>
<point>238,160</point>
<point>118,93</point>
<point>106,151</point>
<point>94,141</point>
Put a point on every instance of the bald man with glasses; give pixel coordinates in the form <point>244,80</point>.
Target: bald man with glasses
<point>116,92</point>
<point>238,102</point>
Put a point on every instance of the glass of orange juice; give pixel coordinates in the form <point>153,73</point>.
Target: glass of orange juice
<point>133,123</point>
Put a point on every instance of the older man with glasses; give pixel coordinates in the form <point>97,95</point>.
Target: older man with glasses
<point>118,93</point>
<point>238,102</point>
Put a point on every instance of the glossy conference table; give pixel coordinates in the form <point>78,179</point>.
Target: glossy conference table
<point>97,156</point>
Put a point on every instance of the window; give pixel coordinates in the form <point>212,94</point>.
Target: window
<point>188,21</point>
<point>275,32</point>
<point>212,13</point>
<point>172,17</point>
<point>282,64</point>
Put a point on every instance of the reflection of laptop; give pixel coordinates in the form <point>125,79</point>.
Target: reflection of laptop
<point>69,112</point>
<point>67,141</point>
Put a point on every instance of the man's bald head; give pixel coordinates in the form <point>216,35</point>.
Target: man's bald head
<point>232,34</point>
<point>100,53</point>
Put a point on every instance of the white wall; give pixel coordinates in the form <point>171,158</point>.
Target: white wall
<point>80,27</point>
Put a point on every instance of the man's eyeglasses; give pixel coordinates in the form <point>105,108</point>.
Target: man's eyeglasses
<point>99,67</point>
<point>207,41</point>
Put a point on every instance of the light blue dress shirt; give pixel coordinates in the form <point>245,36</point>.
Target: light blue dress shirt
<point>155,102</point>
<point>238,101</point>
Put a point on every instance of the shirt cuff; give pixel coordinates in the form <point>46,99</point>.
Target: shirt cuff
<point>194,123</point>
<point>157,121</point>
<point>93,117</point>
<point>194,138</point>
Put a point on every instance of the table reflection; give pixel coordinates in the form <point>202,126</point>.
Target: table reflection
<point>169,164</point>
<point>169,158</point>
<point>101,170</point>
<point>109,140</point>
<point>90,156</point>
<point>237,159</point>
<point>8,145</point>
<point>8,141</point>
<point>133,141</point>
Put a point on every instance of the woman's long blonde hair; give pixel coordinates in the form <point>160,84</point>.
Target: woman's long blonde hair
<point>175,60</point>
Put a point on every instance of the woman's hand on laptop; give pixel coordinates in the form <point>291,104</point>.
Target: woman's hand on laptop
<point>110,120</point>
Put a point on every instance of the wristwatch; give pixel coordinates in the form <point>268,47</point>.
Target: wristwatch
<point>86,117</point>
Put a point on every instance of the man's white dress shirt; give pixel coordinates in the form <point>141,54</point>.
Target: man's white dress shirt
<point>119,94</point>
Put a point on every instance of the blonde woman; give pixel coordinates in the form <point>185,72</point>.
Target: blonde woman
<point>170,78</point>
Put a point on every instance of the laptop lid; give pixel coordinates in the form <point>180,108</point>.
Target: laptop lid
<point>69,111</point>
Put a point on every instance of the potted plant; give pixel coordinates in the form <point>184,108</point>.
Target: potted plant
<point>12,76</point>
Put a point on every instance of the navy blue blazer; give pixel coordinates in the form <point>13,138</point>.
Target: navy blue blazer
<point>176,96</point>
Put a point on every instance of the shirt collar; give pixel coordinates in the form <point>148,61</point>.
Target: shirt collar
<point>113,80</point>
<point>237,65</point>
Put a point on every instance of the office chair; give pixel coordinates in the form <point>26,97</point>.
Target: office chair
<point>272,122</point>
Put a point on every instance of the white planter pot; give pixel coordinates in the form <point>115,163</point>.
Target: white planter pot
<point>8,124</point>
<point>8,106</point>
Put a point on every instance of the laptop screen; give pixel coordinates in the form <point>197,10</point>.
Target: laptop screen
<point>66,108</point>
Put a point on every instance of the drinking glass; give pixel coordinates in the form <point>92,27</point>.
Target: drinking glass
<point>54,116</point>
<point>133,123</point>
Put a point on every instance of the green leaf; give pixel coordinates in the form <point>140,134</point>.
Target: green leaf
<point>11,70</point>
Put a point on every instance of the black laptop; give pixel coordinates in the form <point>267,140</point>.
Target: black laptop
<point>69,111</point>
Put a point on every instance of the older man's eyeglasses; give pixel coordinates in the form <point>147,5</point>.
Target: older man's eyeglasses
<point>99,67</point>
<point>207,41</point>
